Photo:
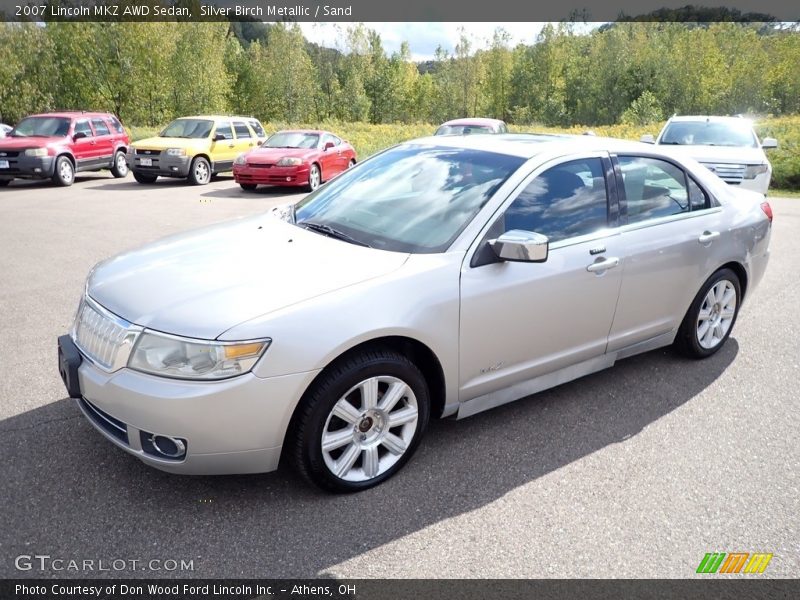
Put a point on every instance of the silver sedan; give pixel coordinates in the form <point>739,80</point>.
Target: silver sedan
<point>439,278</point>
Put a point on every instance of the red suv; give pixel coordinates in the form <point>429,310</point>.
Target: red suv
<point>57,145</point>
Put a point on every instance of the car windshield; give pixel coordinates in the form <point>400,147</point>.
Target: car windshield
<point>41,127</point>
<point>410,198</point>
<point>463,129</point>
<point>709,133</point>
<point>292,139</point>
<point>188,128</point>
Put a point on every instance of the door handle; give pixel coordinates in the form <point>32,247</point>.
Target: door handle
<point>708,236</point>
<point>603,265</point>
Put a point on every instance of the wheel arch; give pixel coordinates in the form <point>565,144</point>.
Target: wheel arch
<point>741,273</point>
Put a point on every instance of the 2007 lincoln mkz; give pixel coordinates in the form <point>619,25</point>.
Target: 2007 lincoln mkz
<point>441,277</point>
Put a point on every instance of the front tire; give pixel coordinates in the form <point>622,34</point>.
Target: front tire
<point>360,422</point>
<point>120,166</point>
<point>314,177</point>
<point>64,174</point>
<point>200,171</point>
<point>709,321</point>
<point>144,177</point>
<point>5,182</point>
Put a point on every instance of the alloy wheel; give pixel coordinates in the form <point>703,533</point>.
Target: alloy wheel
<point>716,314</point>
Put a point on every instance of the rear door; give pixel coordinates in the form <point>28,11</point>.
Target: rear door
<point>522,320</point>
<point>245,137</point>
<point>104,142</point>
<point>673,238</point>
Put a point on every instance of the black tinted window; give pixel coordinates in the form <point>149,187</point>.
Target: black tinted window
<point>258,129</point>
<point>116,125</point>
<point>100,127</point>
<point>565,201</point>
<point>225,129</point>
<point>653,188</point>
<point>241,130</point>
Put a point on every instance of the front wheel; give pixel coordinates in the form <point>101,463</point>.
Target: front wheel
<point>120,166</point>
<point>144,177</point>
<point>360,422</point>
<point>200,171</point>
<point>64,174</point>
<point>5,182</point>
<point>710,318</point>
<point>314,177</point>
<point>352,163</point>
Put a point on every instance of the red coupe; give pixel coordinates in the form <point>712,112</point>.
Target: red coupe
<point>294,157</point>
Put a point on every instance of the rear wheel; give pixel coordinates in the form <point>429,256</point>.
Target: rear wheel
<point>710,318</point>
<point>360,422</point>
<point>248,187</point>
<point>64,174</point>
<point>144,177</point>
<point>314,177</point>
<point>4,182</point>
<point>200,171</point>
<point>120,166</point>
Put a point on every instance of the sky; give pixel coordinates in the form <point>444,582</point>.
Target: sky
<point>422,38</point>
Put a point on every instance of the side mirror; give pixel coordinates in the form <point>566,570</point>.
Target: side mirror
<point>647,139</point>
<point>518,245</point>
<point>78,136</point>
<point>259,142</point>
<point>768,143</point>
<point>328,145</point>
<point>218,137</point>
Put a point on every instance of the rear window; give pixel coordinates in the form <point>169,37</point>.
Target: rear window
<point>115,124</point>
<point>100,127</point>
<point>258,128</point>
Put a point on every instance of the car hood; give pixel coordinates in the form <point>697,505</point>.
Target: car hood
<point>275,154</point>
<point>719,154</point>
<point>201,283</point>
<point>162,143</point>
<point>21,143</point>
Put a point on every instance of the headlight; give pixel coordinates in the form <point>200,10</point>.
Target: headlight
<point>182,358</point>
<point>36,152</point>
<point>240,160</point>
<point>751,171</point>
<point>289,161</point>
<point>176,152</point>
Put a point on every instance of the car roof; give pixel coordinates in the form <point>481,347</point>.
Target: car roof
<point>528,145</point>
<point>69,114</point>
<point>711,118</point>
<point>217,117</point>
<point>310,131</point>
<point>473,121</point>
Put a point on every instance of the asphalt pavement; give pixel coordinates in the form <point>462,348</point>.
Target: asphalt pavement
<point>637,471</point>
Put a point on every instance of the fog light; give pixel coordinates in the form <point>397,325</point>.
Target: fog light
<point>168,446</point>
<point>37,170</point>
<point>174,168</point>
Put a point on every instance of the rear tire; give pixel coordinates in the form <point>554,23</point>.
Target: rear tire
<point>709,321</point>
<point>5,182</point>
<point>64,173</point>
<point>248,187</point>
<point>371,409</point>
<point>119,167</point>
<point>144,177</point>
<point>199,171</point>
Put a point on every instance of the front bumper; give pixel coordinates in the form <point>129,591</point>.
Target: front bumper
<point>231,426</point>
<point>161,164</point>
<point>271,175</point>
<point>758,184</point>
<point>27,167</point>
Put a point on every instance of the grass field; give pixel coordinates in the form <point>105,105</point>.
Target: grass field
<point>368,138</point>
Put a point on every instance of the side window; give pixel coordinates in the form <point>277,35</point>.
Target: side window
<point>83,126</point>
<point>331,138</point>
<point>224,128</point>
<point>653,188</point>
<point>242,131</point>
<point>116,125</point>
<point>100,127</point>
<point>698,199</point>
<point>564,201</point>
<point>258,128</point>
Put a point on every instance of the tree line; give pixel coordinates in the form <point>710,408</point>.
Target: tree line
<point>149,73</point>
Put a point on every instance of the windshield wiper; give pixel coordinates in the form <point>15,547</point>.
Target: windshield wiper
<point>334,233</point>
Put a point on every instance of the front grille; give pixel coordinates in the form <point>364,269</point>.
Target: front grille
<point>8,154</point>
<point>728,172</point>
<point>260,165</point>
<point>99,334</point>
<point>113,427</point>
<point>148,152</point>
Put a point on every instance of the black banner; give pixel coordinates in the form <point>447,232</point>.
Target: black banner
<point>405,11</point>
<point>750,588</point>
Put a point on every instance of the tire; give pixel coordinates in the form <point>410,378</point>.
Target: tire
<point>248,187</point>
<point>144,177</point>
<point>199,171</point>
<point>314,177</point>
<point>119,168</point>
<point>710,319</point>
<point>352,163</point>
<point>372,449</point>
<point>64,173</point>
<point>5,182</point>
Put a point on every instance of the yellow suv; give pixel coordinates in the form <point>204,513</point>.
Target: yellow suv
<point>195,148</point>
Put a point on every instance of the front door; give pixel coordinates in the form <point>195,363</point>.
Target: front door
<point>523,320</point>
<point>223,151</point>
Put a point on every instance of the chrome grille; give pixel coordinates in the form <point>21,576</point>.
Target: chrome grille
<point>100,335</point>
<point>728,172</point>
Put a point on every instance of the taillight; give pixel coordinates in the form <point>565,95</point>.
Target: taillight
<point>767,210</point>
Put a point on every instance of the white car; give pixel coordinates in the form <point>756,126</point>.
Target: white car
<point>727,146</point>
<point>5,129</point>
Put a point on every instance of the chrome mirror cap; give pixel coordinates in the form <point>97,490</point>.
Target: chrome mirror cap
<point>521,246</point>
